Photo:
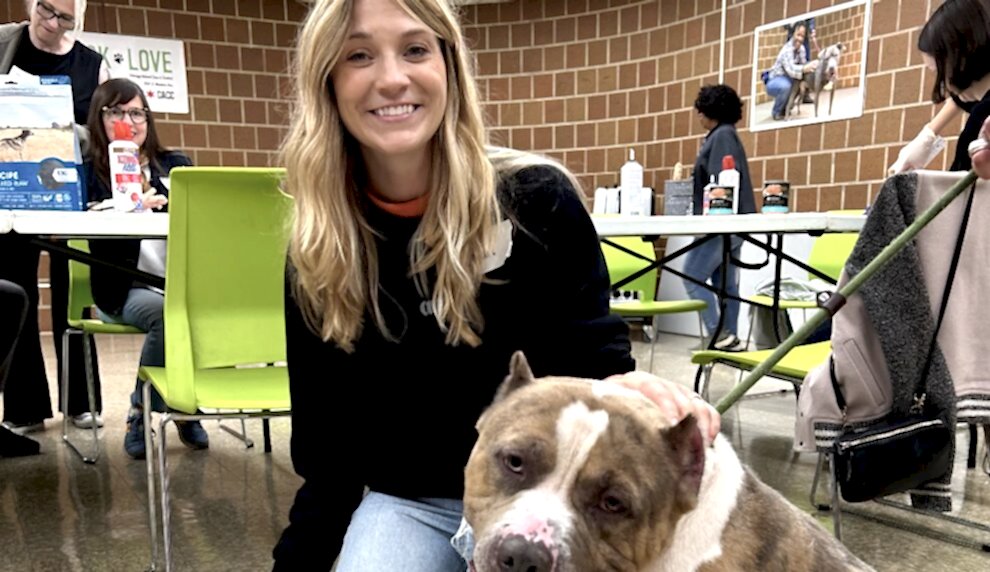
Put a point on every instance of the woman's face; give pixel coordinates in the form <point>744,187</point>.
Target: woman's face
<point>974,92</point>
<point>51,19</point>
<point>798,37</point>
<point>127,112</point>
<point>707,123</point>
<point>390,82</point>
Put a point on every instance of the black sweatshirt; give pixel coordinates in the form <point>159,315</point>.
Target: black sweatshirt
<point>399,416</point>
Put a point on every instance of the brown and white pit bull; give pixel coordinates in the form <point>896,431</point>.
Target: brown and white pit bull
<point>573,475</point>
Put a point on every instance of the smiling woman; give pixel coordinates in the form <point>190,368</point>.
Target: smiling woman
<point>391,88</point>
<point>415,251</point>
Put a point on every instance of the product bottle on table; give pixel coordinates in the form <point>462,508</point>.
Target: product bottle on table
<point>631,187</point>
<point>706,195</point>
<point>125,169</point>
<point>729,177</point>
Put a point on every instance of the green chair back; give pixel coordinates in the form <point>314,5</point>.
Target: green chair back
<point>622,264</point>
<point>224,304</point>
<point>830,251</point>
<point>80,293</point>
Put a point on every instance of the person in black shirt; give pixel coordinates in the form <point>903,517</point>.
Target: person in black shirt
<point>13,308</point>
<point>45,45</point>
<point>420,259</point>
<point>955,44</point>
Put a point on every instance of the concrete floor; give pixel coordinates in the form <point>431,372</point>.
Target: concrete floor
<point>230,503</point>
<point>848,102</point>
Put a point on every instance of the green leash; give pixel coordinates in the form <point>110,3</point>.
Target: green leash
<point>838,299</point>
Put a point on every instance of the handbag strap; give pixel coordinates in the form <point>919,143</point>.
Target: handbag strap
<point>919,393</point>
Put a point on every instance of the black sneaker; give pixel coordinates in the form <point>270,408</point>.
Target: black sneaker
<point>730,343</point>
<point>14,445</point>
<point>134,438</point>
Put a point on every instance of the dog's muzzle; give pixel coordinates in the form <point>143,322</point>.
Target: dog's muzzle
<point>516,553</point>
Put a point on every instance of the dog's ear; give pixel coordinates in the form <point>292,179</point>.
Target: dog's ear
<point>519,376</point>
<point>688,448</point>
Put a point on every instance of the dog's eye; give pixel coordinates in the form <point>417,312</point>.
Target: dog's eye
<point>513,463</point>
<point>611,504</point>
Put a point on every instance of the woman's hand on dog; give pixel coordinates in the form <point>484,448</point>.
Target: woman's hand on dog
<point>674,400</point>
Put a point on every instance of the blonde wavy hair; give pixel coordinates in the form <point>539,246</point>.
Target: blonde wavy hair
<point>332,244</point>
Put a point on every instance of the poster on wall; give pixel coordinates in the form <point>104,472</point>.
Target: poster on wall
<point>810,68</point>
<point>158,66</point>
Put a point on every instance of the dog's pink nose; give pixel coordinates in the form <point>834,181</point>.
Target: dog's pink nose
<point>517,554</point>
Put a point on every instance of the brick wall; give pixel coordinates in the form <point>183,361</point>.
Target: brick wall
<point>582,80</point>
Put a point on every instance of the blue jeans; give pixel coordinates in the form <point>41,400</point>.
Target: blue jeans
<point>704,264</point>
<point>392,533</point>
<point>779,88</point>
<point>144,309</point>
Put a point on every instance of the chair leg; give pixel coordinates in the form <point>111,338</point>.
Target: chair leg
<point>706,381</point>
<point>163,483</point>
<point>973,440</point>
<point>64,388</point>
<point>752,322</point>
<point>653,343</point>
<point>91,393</point>
<point>813,497</point>
<point>836,506</point>
<point>267,432</point>
<point>242,436</point>
<point>150,467</point>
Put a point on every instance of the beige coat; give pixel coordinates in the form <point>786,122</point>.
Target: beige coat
<point>867,345</point>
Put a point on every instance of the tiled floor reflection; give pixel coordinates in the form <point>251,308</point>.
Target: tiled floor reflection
<point>230,504</point>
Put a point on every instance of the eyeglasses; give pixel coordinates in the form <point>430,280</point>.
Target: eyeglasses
<point>138,115</point>
<point>47,13</point>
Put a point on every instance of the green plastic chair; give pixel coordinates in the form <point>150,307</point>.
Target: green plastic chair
<point>224,309</point>
<point>622,264</point>
<point>81,298</point>
<point>792,368</point>
<point>828,255</point>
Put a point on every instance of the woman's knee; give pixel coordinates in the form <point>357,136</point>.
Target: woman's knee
<point>391,533</point>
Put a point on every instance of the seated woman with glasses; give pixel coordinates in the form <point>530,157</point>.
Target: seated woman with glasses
<point>119,298</point>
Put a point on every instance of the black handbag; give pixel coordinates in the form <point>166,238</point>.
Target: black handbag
<point>898,454</point>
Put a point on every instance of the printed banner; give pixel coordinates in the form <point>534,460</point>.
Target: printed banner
<point>158,66</point>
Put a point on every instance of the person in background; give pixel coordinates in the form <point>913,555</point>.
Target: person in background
<point>955,44</point>
<point>414,255</point>
<point>790,66</point>
<point>719,109</point>
<point>118,297</point>
<point>46,45</point>
<point>810,37</point>
<point>13,308</point>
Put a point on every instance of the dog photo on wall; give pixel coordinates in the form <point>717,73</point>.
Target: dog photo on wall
<point>811,67</point>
